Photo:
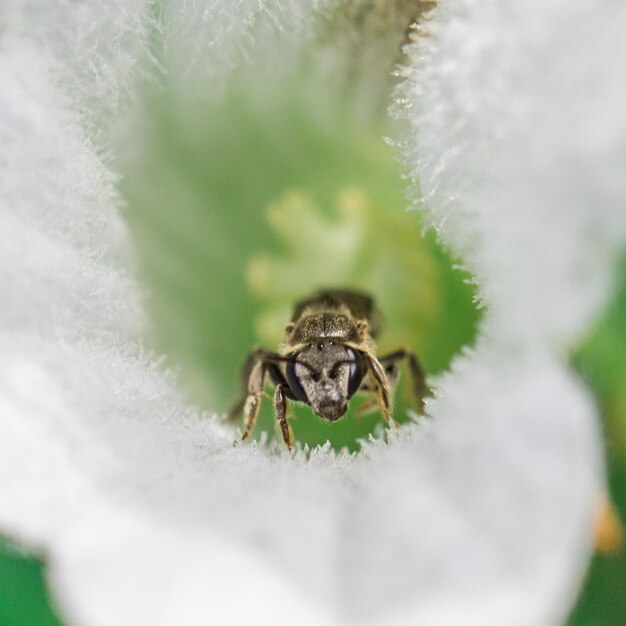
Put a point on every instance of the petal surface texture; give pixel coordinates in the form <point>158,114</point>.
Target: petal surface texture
<point>145,511</point>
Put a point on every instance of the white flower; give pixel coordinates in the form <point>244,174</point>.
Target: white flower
<point>144,510</point>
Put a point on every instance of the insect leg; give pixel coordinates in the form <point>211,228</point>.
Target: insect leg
<point>391,370</point>
<point>252,359</point>
<point>383,394</point>
<point>280,410</point>
<point>256,382</point>
<point>419,388</point>
<point>253,373</point>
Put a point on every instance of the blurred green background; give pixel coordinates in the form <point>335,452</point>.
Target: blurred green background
<point>24,599</point>
<point>601,362</point>
<point>238,214</point>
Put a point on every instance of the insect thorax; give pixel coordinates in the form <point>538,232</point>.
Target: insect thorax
<point>327,325</point>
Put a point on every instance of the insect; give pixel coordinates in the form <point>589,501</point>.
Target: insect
<point>328,354</point>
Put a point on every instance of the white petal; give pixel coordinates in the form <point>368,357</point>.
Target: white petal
<point>146,511</point>
<point>519,140</point>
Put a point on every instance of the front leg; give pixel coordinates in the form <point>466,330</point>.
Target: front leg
<point>258,364</point>
<point>253,375</point>
<point>381,384</point>
<point>256,383</point>
<point>251,361</point>
<point>280,410</point>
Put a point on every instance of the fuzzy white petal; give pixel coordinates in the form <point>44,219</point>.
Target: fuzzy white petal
<point>519,141</point>
<point>148,514</point>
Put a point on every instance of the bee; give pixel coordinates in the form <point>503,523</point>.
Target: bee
<point>328,355</point>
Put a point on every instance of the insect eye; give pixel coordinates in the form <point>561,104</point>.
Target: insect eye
<point>315,377</point>
<point>333,374</point>
<point>294,382</point>
<point>358,368</point>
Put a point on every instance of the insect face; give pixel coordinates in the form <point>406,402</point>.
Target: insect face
<point>326,375</point>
